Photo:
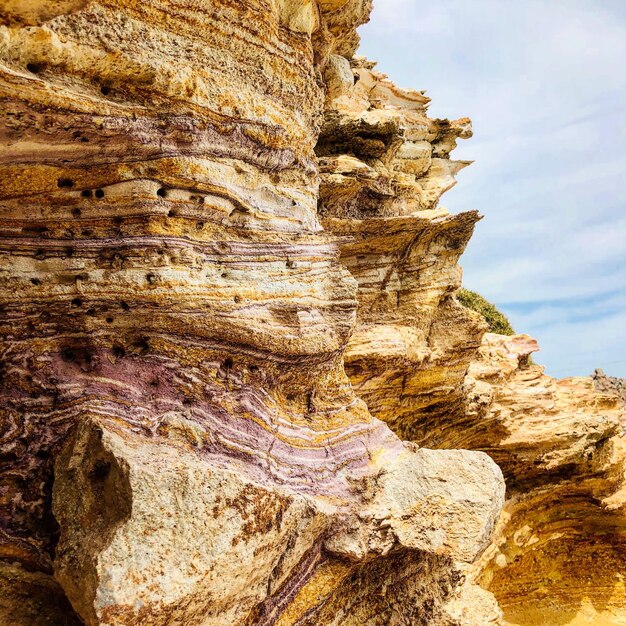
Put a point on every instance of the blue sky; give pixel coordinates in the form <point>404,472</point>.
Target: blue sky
<point>544,82</point>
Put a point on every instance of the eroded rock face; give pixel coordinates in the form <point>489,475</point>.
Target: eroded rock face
<point>180,441</point>
<point>131,194</point>
<point>610,384</point>
<point>384,165</point>
<point>414,357</point>
<point>558,554</point>
<point>152,533</point>
<point>227,295</point>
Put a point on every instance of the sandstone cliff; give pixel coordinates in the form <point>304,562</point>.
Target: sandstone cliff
<point>227,295</point>
<point>558,552</point>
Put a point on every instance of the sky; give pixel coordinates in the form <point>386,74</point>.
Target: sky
<point>544,82</point>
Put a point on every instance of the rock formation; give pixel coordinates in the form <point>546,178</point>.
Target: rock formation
<point>384,165</point>
<point>417,360</point>
<point>180,442</point>
<point>609,384</point>
<point>558,554</point>
<point>227,295</point>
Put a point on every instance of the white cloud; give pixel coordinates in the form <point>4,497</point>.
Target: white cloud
<point>545,86</point>
<point>574,348</point>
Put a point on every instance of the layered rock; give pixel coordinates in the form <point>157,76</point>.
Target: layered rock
<point>180,442</point>
<point>384,165</point>
<point>227,293</point>
<point>558,555</point>
<point>415,359</point>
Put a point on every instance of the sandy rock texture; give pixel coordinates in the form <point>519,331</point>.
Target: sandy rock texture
<point>384,165</point>
<point>423,364</point>
<point>558,556</point>
<point>236,387</point>
<point>180,443</point>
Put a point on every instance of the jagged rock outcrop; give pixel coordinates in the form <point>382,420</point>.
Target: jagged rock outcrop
<point>384,165</point>
<point>179,440</point>
<point>414,357</point>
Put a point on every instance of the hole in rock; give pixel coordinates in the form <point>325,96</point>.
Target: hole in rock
<point>125,306</point>
<point>109,320</point>
<point>67,354</point>
<point>76,212</point>
<point>79,356</point>
<point>86,193</point>
<point>142,345</point>
<point>77,302</point>
<point>100,470</point>
<point>35,281</point>
<point>228,363</point>
<point>172,213</point>
<point>105,90</point>
<point>33,68</point>
<point>65,183</point>
<point>151,278</point>
<point>237,299</point>
<point>35,230</point>
<point>118,351</point>
<point>161,192</point>
<point>99,193</point>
